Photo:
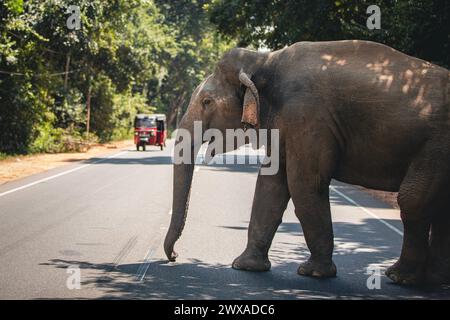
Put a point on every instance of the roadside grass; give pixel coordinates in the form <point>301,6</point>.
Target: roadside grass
<point>4,156</point>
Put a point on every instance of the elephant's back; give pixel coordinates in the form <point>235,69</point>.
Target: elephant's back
<point>357,53</point>
<point>364,76</point>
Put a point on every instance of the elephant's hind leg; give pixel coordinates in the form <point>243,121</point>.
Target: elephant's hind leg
<point>438,270</point>
<point>410,268</point>
<point>419,192</point>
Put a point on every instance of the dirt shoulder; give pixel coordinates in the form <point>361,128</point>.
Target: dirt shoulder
<point>22,166</point>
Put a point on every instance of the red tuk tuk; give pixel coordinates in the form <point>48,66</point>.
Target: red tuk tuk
<point>150,129</point>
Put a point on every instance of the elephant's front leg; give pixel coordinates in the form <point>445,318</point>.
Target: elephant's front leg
<point>269,203</point>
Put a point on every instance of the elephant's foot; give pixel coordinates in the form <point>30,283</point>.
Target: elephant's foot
<point>251,262</point>
<point>317,269</point>
<point>438,268</point>
<point>406,273</point>
<point>434,278</point>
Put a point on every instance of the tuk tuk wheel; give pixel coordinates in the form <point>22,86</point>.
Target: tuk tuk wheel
<point>143,147</point>
<point>137,147</point>
<point>162,147</point>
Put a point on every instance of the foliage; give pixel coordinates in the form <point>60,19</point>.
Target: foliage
<point>200,46</point>
<point>417,27</point>
<point>56,140</point>
<point>129,56</point>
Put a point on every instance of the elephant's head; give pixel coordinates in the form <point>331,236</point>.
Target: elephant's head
<point>227,99</point>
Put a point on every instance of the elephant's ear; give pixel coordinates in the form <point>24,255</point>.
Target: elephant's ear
<point>250,110</point>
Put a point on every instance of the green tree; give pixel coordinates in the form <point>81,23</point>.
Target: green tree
<point>200,46</point>
<point>417,27</point>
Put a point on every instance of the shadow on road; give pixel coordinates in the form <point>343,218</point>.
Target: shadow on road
<point>157,160</point>
<point>356,247</point>
<point>167,160</point>
<point>240,168</point>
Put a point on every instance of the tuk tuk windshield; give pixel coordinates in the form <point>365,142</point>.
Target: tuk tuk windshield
<point>144,123</point>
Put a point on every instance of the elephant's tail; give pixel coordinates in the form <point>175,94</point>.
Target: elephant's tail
<point>448,89</point>
<point>447,93</point>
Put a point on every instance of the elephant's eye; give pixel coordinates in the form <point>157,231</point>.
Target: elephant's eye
<point>206,102</point>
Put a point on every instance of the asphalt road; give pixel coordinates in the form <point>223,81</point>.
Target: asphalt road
<point>107,216</point>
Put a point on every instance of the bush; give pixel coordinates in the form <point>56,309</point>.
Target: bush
<point>54,140</point>
<point>4,156</point>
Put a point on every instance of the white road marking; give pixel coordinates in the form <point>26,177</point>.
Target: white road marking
<point>170,212</point>
<point>143,268</point>
<point>370,213</point>
<point>197,168</point>
<point>59,174</point>
<point>156,243</point>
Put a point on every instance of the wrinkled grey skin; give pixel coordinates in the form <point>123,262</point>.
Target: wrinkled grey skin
<point>354,111</point>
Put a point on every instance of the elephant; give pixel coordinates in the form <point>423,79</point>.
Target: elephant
<point>359,112</point>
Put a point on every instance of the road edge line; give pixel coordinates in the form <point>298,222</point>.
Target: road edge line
<point>60,174</point>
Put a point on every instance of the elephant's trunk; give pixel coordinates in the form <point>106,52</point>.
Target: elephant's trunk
<point>182,180</point>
